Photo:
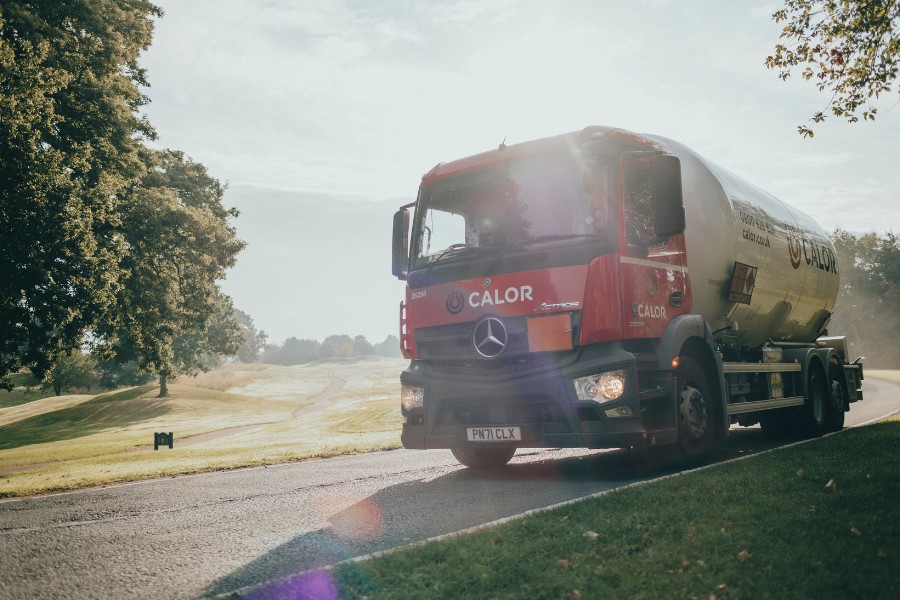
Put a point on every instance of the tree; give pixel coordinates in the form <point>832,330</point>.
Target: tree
<point>362,347</point>
<point>336,346</point>
<point>70,136</point>
<point>868,306</point>
<point>254,341</point>
<point>851,48</point>
<point>203,350</point>
<point>225,335</point>
<point>72,370</point>
<point>293,352</point>
<point>178,243</point>
<point>114,373</point>
<point>390,347</point>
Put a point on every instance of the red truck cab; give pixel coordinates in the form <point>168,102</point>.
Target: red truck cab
<point>536,274</point>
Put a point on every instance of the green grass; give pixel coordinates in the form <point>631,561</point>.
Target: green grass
<point>115,410</point>
<point>765,527</point>
<point>25,389</point>
<point>69,442</point>
<point>758,528</point>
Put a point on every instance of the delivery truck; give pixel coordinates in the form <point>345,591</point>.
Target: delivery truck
<point>608,289</point>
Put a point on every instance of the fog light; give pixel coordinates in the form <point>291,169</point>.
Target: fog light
<point>411,397</point>
<point>602,387</point>
<point>619,411</point>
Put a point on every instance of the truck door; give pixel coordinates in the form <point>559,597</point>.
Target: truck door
<point>653,268</point>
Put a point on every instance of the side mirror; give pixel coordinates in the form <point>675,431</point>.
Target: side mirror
<point>668,203</point>
<point>400,244</point>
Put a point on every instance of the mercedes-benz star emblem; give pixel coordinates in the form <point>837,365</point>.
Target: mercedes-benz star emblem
<point>489,337</point>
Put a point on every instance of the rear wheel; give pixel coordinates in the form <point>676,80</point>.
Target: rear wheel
<point>812,416</point>
<point>695,410</point>
<point>822,412</point>
<point>483,458</point>
<point>837,404</point>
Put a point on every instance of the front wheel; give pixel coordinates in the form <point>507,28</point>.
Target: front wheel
<point>696,416</point>
<point>483,458</point>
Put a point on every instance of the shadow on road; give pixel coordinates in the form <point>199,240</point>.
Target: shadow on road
<point>388,519</point>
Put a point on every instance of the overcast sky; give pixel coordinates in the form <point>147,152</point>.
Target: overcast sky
<point>349,102</point>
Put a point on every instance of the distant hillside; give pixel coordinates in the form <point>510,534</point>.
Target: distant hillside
<point>239,415</point>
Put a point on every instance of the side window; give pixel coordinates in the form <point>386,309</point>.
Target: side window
<point>596,183</point>
<point>639,217</point>
<point>440,231</point>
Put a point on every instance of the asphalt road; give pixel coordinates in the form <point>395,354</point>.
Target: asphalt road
<point>212,534</point>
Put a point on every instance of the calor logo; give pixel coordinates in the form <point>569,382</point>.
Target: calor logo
<point>455,303</point>
<point>795,246</point>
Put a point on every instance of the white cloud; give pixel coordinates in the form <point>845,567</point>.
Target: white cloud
<point>362,97</point>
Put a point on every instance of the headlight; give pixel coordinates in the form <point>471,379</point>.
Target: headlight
<point>411,397</point>
<point>602,387</point>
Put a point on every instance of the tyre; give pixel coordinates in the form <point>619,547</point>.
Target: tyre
<point>837,403</point>
<point>812,419</point>
<point>483,458</point>
<point>696,411</point>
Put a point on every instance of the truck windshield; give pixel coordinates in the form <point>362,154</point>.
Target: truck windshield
<point>548,197</point>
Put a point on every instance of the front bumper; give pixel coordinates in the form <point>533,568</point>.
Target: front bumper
<point>541,402</point>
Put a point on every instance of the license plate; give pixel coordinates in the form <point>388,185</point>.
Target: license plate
<point>494,434</point>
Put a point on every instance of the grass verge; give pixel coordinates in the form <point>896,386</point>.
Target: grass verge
<point>767,527</point>
<point>25,389</point>
<point>69,442</point>
<point>889,375</point>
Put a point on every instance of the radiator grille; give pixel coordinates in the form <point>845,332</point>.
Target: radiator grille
<point>448,350</point>
<point>454,341</point>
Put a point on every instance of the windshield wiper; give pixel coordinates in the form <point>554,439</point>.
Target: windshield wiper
<point>454,251</point>
<point>532,240</point>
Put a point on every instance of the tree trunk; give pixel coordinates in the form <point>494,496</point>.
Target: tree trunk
<point>163,388</point>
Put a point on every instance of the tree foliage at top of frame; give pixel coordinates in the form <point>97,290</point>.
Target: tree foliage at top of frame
<point>849,48</point>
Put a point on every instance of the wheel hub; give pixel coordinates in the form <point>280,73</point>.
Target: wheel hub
<point>692,411</point>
